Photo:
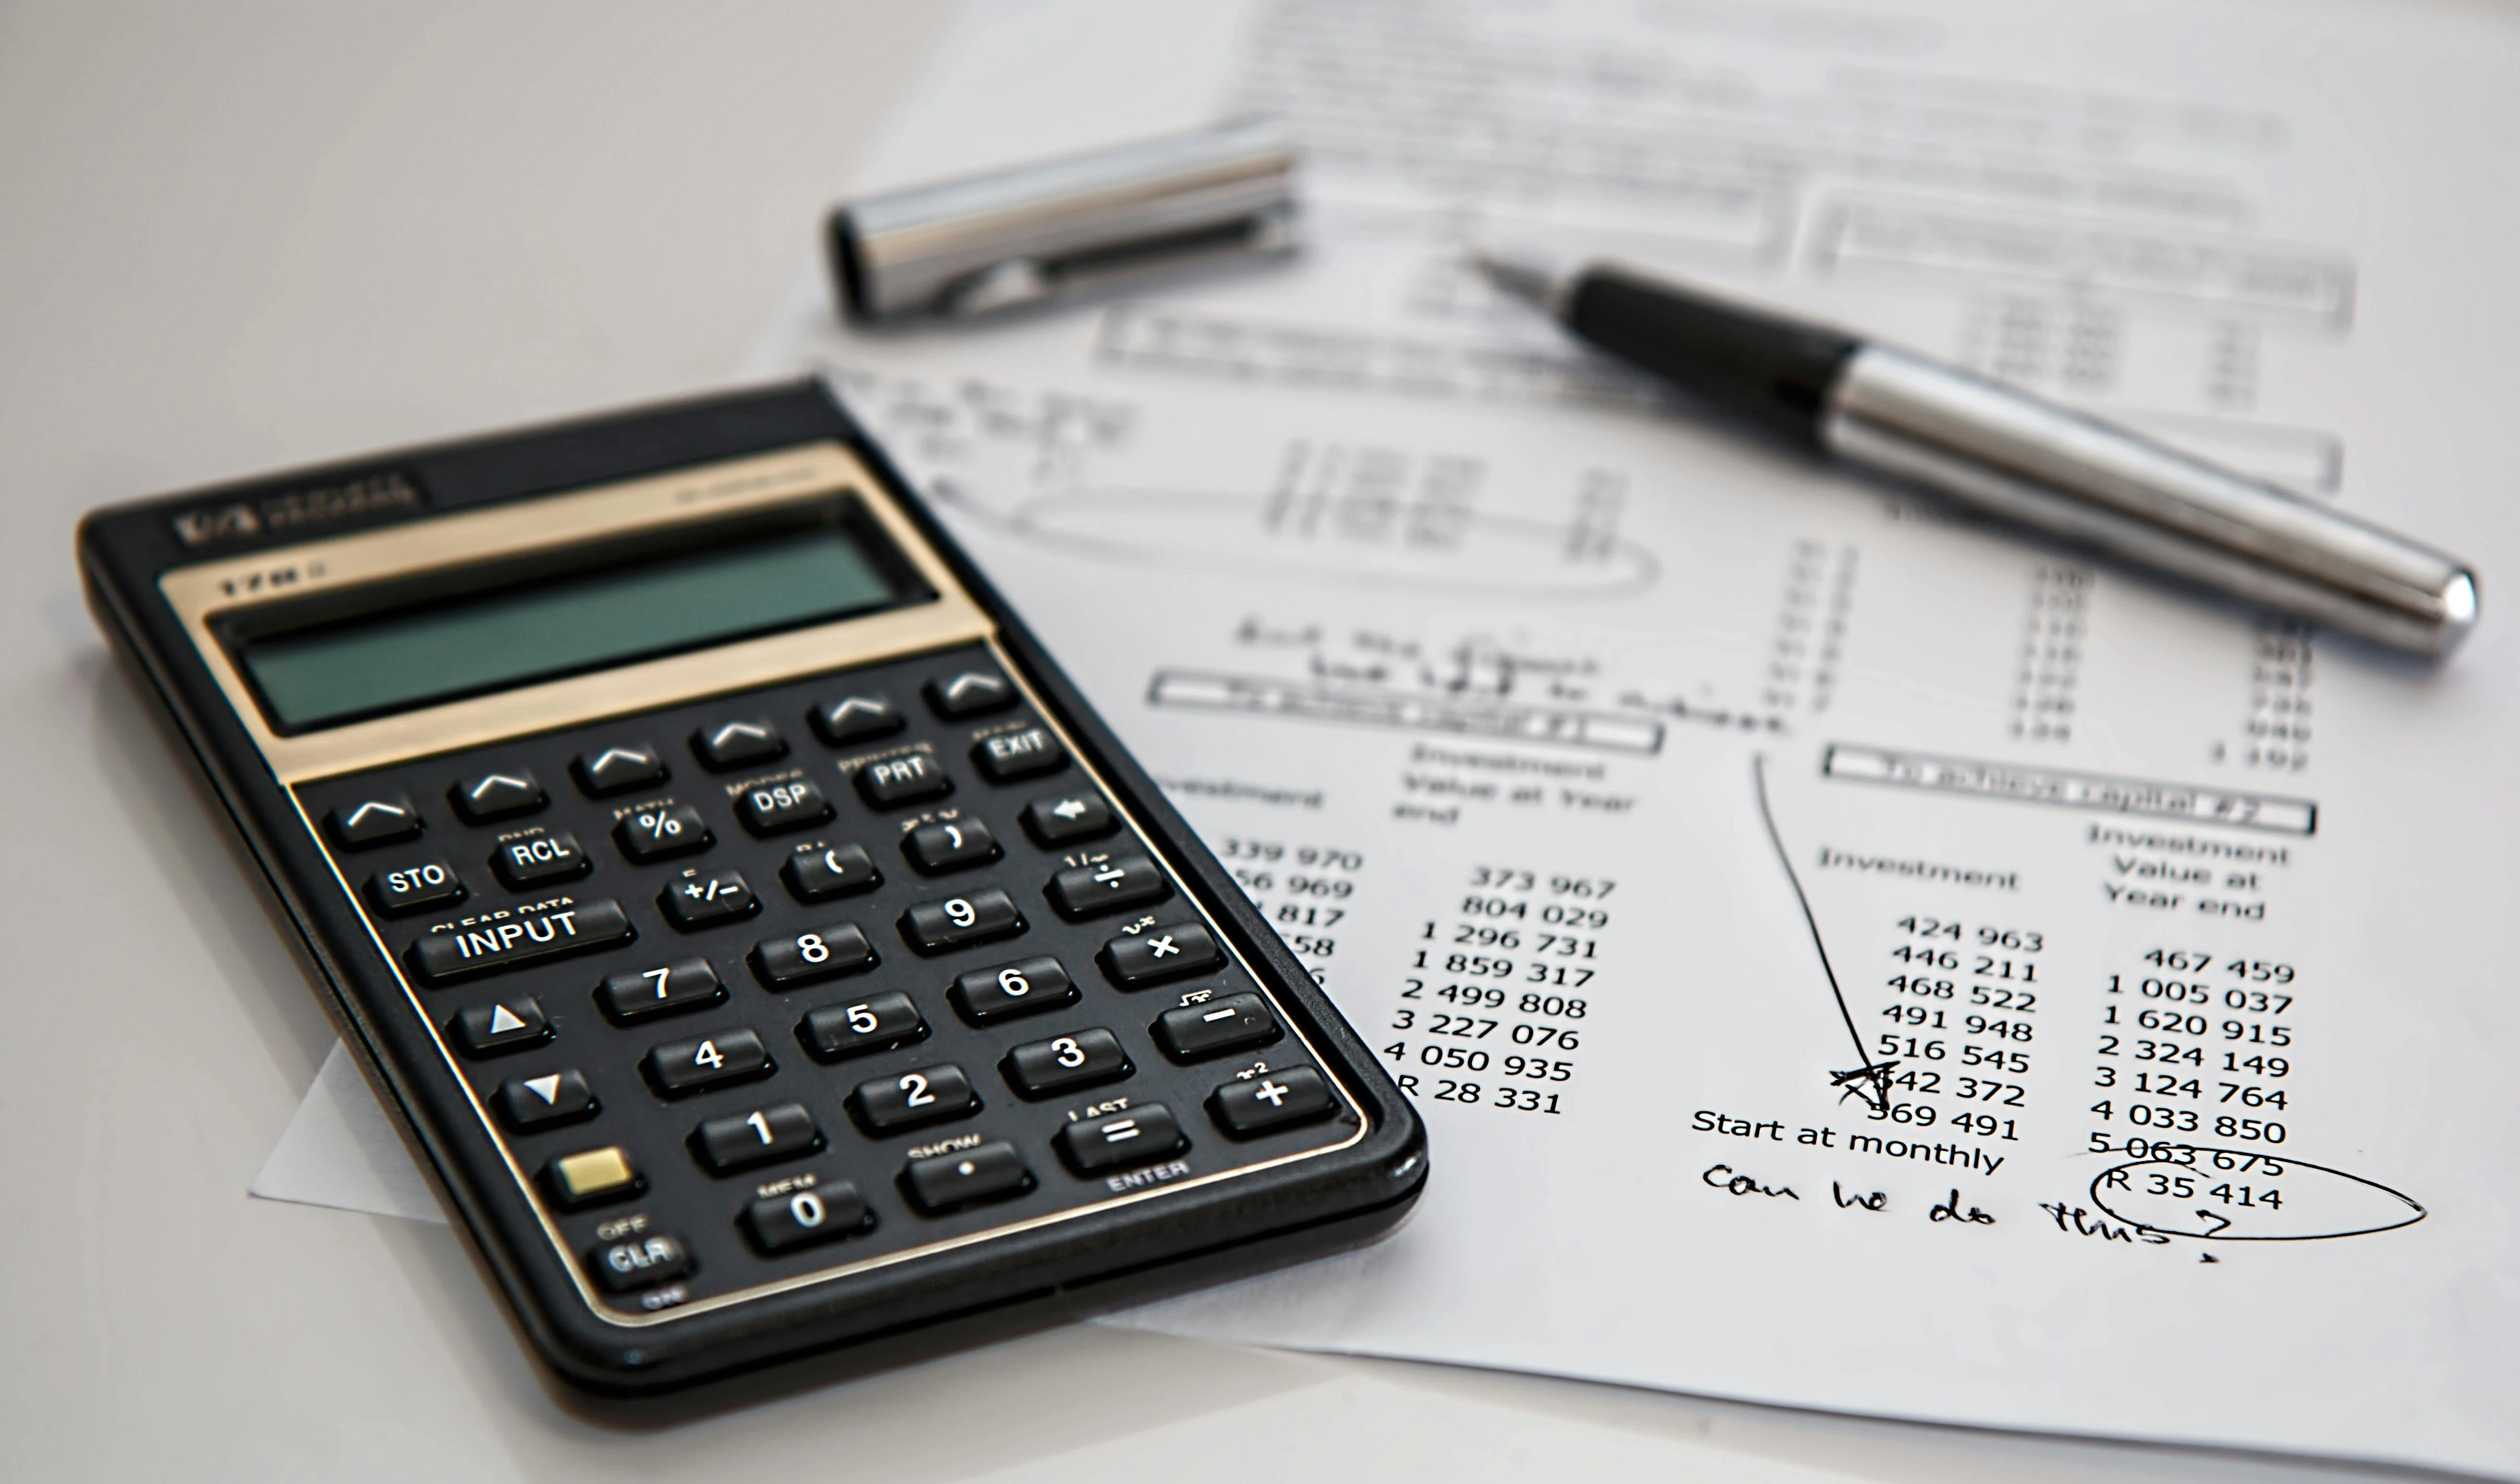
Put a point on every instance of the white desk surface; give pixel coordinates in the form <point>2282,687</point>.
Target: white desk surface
<point>240,236</point>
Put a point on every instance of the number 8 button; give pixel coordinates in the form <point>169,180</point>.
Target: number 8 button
<point>821,953</point>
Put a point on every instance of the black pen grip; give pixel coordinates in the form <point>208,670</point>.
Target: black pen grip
<point>1763,367</point>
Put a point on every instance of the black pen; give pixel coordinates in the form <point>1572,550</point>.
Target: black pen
<point>2010,454</point>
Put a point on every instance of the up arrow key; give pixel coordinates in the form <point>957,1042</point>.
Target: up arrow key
<point>504,1021</point>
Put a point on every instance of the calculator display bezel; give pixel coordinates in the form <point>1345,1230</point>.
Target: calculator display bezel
<point>206,596</point>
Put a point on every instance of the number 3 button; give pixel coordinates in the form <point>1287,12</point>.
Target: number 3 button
<point>823,952</point>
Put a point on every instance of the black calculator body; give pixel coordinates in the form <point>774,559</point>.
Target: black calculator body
<point>761,940</point>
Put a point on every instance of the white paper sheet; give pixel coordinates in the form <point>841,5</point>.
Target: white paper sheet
<point>1537,717</point>
<point>1404,599</point>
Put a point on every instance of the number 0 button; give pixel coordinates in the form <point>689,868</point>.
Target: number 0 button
<point>883,1104</point>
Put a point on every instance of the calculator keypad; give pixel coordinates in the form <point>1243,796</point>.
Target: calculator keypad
<point>960,1004</point>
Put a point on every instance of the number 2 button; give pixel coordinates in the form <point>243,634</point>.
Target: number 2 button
<point>883,1104</point>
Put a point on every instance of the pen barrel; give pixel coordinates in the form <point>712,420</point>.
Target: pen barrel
<point>2039,465</point>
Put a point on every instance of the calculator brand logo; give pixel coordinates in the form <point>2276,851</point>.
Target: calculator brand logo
<point>296,509</point>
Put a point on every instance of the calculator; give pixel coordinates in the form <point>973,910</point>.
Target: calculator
<point>758,937</point>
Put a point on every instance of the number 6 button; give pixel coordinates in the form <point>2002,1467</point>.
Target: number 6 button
<point>883,1104</point>
<point>823,952</point>
<point>1010,990</point>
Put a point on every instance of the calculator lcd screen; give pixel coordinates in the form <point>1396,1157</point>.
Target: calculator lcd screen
<point>555,623</point>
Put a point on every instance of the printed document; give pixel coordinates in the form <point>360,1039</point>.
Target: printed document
<point>1847,956</point>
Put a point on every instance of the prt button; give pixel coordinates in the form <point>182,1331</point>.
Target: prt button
<point>904,780</point>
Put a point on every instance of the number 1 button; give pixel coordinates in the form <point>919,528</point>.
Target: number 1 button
<point>779,1132</point>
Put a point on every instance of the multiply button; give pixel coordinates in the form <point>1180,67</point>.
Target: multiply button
<point>495,1030</point>
<point>1266,1102</point>
<point>777,808</point>
<point>855,718</point>
<point>1140,1135</point>
<point>486,947</point>
<point>1067,817</point>
<point>661,833</point>
<point>884,1105</point>
<point>618,768</point>
<point>668,989</point>
<point>942,846</point>
<point>1213,1028</point>
<point>974,693</point>
<point>936,926</point>
<point>378,821</point>
<point>819,873</point>
<point>1165,951</point>
<point>904,780</point>
<point>820,1213</point>
<point>414,887</point>
<point>497,796</point>
<point>642,1262</point>
<point>943,1181</point>
<point>783,1131</point>
<point>1011,755</point>
<point>1063,1063</point>
<point>705,901</point>
<point>555,1098</point>
<point>735,744</point>
<point>534,860</point>
<point>1106,887</point>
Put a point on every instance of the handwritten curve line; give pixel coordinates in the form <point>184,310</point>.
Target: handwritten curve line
<point>1865,1068</point>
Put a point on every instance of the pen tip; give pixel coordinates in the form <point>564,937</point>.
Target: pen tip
<point>1523,278</point>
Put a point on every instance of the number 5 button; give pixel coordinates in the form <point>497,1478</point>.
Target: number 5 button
<point>821,953</point>
<point>883,1104</point>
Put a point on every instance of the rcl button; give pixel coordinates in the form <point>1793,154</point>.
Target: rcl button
<point>537,859</point>
<point>639,1263</point>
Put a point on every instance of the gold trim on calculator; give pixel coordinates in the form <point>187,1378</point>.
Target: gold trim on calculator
<point>203,594</point>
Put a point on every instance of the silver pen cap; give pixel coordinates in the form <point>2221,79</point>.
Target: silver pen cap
<point>1040,231</point>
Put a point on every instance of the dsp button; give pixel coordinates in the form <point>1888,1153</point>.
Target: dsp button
<point>642,1262</point>
<point>783,1131</point>
<point>617,769</point>
<point>416,887</point>
<point>942,846</point>
<point>1165,951</point>
<point>1011,755</point>
<point>737,744</point>
<point>1140,1135</point>
<point>930,1095</point>
<point>1249,1106</point>
<point>1064,1064</point>
<point>812,956</point>
<point>668,989</point>
<point>661,833</point>
<point>534,860</point>
<point>820,1213</point>
<point>909,779</point>
<point>972,693</point>
<point>678,1067</point>
<point>381,820</point>
<point>462,952</point>
<point>1066,817</point>
<point>936,926</point>
<point>855,718</point>
<point>1113,885</point>
<point>555,1098</point>
<point>776,808</point>
<point>881,1022</point>
<point>495,1030</point>
<point>705,901</point>
<point>1213,1028</point>
<point>1010,990</point>
<point>497,796</point>
<point>820,873</point>
<point>949,1181</point>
